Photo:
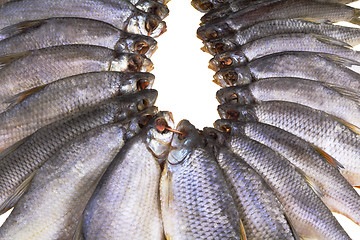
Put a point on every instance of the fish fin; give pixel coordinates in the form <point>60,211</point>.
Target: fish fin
<point>352,127</point>
<point>21,96</point>
<point>242,231</point>
<point>19,28</point>
<point>328,158</point>
<point>79,235</point>
<point>12,147</point>
<point>355,19</point>
<point>293,231</point>
<point>331,41</point>
<point>339,60</point>
<point>311,183</point>
<point>14,198</point>
<point>358,187</point>
<point>348,93</point>
<point>6,59</point>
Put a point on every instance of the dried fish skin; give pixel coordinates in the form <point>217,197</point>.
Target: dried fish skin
<point>316,127</point>
<point>193,189</point>
<point>308,214</point>
<point>62,186</point>
<point>348,35</point>
<point>118,197</point>
<point>30,35</point>
<point>336,101</point>
<point>66,97</point>
<point>261,212</point>
<point>121,14</point>
<point>304,9</point>
<point>18,164</point>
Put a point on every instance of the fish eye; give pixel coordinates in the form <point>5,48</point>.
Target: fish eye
<point>161,125</point>
<point>142,84</point>
<point>141,47</point>
<point>225,128</point>
<point>231,114</point>
<point>219,47</point>
<point>135,63</point>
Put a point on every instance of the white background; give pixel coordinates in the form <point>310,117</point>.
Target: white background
<point>184,81</point>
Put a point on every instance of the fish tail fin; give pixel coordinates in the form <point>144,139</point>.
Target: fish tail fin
<point>355,19</point>
<point>79,235</point>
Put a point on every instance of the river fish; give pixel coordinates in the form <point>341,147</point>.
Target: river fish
<point>261,212</point>
<point>196,202</point>
<point>63,98</point>
<point>128,192</point>
<point>338,139</point>
<point>45,33</point>
<point>153,7</point>
<point>61,188</point>
<point>318,67</point>
<point>306,211</point>
<point>348,35</point>
<point>27,71</point>
<point>121,14</point>
<point>337,194</point>
<point>304,9</point>
<point>336,101</point>
<point>286,43</point>
<point>18,163</point>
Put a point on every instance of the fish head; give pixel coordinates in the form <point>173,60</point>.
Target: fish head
<point>134,43</point>
<point>233,76</point>
<point>153,7</point>
<point>230,126</point>
<point>217,12</point>
<point>216,28</point>
<point>202,5</point>
<point>159,136</point>
<point>219,45</point>
<point>182,144</point>
<point>245,113</point>
<point>227,59</point>
<point>146,98</point>
<point>131,62</point>
<point>237,94</point>
<point>133,82</point>
<point>146,24</point>
<point>213,138</point>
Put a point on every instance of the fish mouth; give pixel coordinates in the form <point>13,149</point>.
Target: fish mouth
<point>219,62</point>
<point>215,47</point>
<point>141,47</point>
<point>226,78</point>
<point>154,26</point>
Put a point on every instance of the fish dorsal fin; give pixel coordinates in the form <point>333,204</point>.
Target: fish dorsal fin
<point>328,158</point>
<point>79,235</point>
<point>331,41</point>
<point>21,96</point>
<point>339,60</point>
<point>296,236</point>
<point>14,198</point>
<point>6,59</point>
<point>353,96</point>
<point>311,183</point>
<point>19,28</point>
<point>242,231</point>
<point>12,148</point>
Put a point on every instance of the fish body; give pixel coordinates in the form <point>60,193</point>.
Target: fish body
<point>121,14</point>
<point>45,33</point>
<point>337,194</point>
<point>261,212</point>
<point>348,35</point>
<point>308,214</point>
<point>62,186</point>
<point>18,164</point>
<point>287,43</point>
<point>196,202</point>
<point>63,98</point>
<point>304,9</point>
<point>316,127</point>
<point>333,100</point>
<point>27,72</point>
<point>128,192</point>
<point>307,65</point>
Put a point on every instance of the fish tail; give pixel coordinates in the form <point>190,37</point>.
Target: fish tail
<point>355,19</point>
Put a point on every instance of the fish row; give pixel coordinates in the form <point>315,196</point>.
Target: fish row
<point>76,88</point>
<point>289,108</point>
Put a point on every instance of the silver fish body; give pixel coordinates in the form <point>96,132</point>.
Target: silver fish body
<point>314,126</point>
<point>304,9</point>
<point>18,164</point>
<point>286,43</point>
<point>196,202</point>
<point>121,14</point>
<point>63,98</point>
<point>27,72</point>
<point>62,186</point>
<point>308,214</point>
<point>348,35</point>
<point>324,68</point>
<point>45,33</point>
<point>337,194</point>
<point>128,192</point>
<point>261,212</point>
<point>336,101</point>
